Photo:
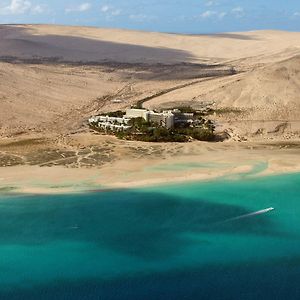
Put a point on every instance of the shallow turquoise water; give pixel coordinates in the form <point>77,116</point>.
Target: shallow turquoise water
<point>171,242</point>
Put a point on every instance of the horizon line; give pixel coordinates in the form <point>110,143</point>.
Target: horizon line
<point>146,31</point>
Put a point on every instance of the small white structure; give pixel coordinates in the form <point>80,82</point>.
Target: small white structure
<point>117,101</point>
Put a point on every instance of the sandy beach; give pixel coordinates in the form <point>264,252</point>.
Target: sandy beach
<point>136,164</point>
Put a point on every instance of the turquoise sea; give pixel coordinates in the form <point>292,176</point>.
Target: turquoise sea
<point>185,241</point>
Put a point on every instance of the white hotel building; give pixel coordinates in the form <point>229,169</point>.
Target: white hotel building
<point>166,119</point>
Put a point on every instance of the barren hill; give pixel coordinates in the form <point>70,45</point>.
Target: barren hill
<point>53,77</point>
<point>274,84</point>
<point>65,43</point>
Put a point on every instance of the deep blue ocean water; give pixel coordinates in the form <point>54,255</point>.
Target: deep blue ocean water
<point>172,242</point>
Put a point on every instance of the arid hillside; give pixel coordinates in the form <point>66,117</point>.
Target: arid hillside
<point>52,78</point>
<point>88,44</point>
<point>272,85</point>
<point>32,96</point>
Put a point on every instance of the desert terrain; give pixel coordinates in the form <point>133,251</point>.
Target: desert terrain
<point>53,78</point>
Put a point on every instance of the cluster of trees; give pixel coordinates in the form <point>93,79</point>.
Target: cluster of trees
<point>116,114</point>
<point>197,113</point>
<point>187,109</point>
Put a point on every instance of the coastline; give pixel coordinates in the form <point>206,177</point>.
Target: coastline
<point>231,163</point>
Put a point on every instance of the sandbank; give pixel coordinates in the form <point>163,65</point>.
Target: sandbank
<point>206,162</point>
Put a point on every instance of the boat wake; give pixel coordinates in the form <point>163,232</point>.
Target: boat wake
<point>257,213</point>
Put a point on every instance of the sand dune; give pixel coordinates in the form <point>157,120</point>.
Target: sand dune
<point>33,96</point>
<point>275,84</point>
<point>94,44</point>
<point>53,77</point>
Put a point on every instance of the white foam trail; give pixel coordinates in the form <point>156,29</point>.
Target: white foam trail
<point>73,227</point>
<point>259,212</point>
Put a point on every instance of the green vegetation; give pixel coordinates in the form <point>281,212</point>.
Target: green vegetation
<point>7,189</point>
<point>162,134</point>
<point>209,111</point>
<point>226,110</point>
<point>24,143</point>
<point>189,109</point>
<point>186,109</point>
<point>116,114</point>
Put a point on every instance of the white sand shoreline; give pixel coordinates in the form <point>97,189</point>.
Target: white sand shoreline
<point>138,173</point>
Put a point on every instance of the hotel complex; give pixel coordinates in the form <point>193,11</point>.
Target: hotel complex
<point>166,119</point>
